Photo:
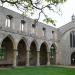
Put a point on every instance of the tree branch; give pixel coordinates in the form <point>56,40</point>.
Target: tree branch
<point>11,2</point>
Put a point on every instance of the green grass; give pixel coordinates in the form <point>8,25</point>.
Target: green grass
<point>38,71</point>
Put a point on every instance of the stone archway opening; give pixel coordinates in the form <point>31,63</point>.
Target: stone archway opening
<point>73,58</point>
<point>53,54</point>
<point>6,53</point>
<point>33,54</point>
<point>21,59</point>
<point>43,54</point>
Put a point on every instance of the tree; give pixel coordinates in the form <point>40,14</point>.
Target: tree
<point>30,6</point>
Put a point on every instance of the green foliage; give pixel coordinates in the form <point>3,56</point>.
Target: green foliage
<point>2,53</point>
<point>49,20</point>
<point>31,6</point>
<point>56,1</point>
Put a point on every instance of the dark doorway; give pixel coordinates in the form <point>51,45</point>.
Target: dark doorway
<point>21,53</point>
<point>7,52</point>
<point>33,54</point>
<point>43,54</point>
<point>73,58</point>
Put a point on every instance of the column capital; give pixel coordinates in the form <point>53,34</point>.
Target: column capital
<point>28,50</point>
<point>48,51</point>
<point>15,49</point>
<point>38,50</point>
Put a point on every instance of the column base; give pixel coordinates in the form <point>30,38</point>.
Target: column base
<point>48,63</point>
<point>27,65</point>
<point>38,65</point>
<point>14,66</point>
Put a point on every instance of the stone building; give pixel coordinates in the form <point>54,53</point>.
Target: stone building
<point>23,43</point>
<point>66,42</point>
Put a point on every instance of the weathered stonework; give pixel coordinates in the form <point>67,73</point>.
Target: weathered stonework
<point>32,48</point>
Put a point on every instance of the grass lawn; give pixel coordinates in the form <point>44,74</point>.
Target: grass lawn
<point>38,71</point>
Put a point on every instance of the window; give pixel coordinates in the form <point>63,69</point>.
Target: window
<point>8,20</point>
<point>53,54</point>
<point>72,39</point>
<point>2,53</point>
<point>22,25</point>
<point>33,28</point>
<point>52,32</point>
<point>44,31</point>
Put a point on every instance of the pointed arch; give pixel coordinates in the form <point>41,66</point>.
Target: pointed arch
<point>25,41</point>
<point>11,38</point>
<point>36,43</point>
<point>54,45</point>
<point>22,48</point>
<point>43,53</point>
<point>33,52</point>
<point>8,46</point>
<point>53,53</point>
<point>73,58</point>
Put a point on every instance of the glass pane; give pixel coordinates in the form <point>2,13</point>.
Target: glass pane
<point>22,27</point>
<point>70,39</point>
<point>8,22</point>
<point>73,39</point>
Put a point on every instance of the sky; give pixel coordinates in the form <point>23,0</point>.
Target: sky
<point>68,9</point>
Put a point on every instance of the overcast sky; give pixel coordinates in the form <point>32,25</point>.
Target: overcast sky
<point>68,9</point>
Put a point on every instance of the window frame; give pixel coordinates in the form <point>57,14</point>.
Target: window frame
<point>22,24</point>
<point>8,21</point>
<point>72,39</point>
<point>44,31</point>
<point>33,28</point>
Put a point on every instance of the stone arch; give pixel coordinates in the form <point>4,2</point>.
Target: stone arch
<point>73,58</point>
<point>24,39</point>
<point>53,53</point>
<point>33,52</point>
<point>8,46</point>
<point>22,48</point>
<point>43,53</point>
<point>11,38</point>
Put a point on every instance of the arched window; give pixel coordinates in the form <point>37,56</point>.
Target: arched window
<point>44,31</point>
<point>8,20</point>
<point>72,39</point>
<point>22,25</point>
<point>53,54</point>
<point>33,31</point>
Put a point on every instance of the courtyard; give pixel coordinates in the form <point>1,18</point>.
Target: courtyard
<point>50,70</point>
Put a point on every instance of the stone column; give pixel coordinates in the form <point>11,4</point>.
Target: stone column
<point>15,53</point>
<point>38,58</point>
<point>48,58</point>
<point>27,56</point>
<point>58,54</point>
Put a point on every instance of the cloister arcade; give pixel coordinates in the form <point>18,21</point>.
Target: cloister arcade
<point>22,52</point>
